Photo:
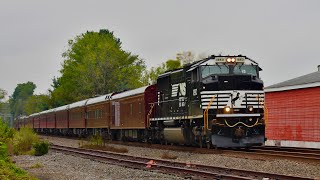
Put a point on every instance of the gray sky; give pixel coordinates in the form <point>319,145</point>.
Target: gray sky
<point>283,36</point>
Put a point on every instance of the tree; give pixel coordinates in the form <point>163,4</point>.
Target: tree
<point>36,103</point>
<point>20,95</point>
<point>151,76</point>
<point>3,93</point>
<point>95,64</point>
<point>185,57</point>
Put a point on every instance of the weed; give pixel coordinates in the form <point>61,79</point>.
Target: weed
<point>37,165</point>
<point>106,148</point>
<point>96,140</point>
<point>167,155</point>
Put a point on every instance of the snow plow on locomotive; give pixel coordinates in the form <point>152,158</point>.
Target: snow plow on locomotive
<point>216,102</point>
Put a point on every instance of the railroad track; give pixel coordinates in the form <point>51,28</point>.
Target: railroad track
<point>303,154</point>
<point>186,170</point>
<point>297,154</point>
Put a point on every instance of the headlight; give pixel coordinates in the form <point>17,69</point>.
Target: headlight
<point>227,109</point>
<point>250,108</point>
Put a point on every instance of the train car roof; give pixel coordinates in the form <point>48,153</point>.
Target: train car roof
<point>61,108</point>
<point>130,93</point>
<point>78,104</point>
<point>34,114</point>
<point>47,111</point>
<point>99,99</point>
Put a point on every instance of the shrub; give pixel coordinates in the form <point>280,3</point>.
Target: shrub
<point>6,133</point>
<point>7,169</point>
<point>3,151</point>
<point>23,140</point>
<point>41,148</point>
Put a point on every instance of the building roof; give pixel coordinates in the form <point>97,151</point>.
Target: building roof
<point>306,81</point>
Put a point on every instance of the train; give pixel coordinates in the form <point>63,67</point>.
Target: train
<point>214,102</point>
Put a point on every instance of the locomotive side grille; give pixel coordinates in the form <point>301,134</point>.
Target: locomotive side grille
<point>234,99</point>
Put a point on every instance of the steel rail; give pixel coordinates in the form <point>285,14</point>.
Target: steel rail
<point>184,169</point>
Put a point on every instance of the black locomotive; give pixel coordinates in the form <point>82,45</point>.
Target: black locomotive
<point>216,101</point>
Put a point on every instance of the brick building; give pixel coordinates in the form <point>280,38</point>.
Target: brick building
<point>293,112</point>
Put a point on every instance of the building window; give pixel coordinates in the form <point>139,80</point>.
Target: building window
<point>131,109</point>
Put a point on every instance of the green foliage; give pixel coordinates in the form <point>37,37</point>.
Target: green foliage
<point>41,148</point>
<point>23,140</point>
<point>95,64</point>
<point>2,94</point>
<point>173,64</point>
<point>6,133</point>
<point>152,75</point>
<point>3,151</point>
<point>36,103</point>
<point>96,140</point>
<point>7,169</point>
<point>19,97</point>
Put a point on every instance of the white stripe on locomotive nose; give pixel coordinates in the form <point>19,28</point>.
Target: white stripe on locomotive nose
<point>223,98</point>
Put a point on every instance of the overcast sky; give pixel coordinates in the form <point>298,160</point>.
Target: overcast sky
<point>283,36</point>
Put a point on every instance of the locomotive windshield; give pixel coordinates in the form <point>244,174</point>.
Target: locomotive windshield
<point>245,69</point>
<point>215,69</point>
<point>224,69</point>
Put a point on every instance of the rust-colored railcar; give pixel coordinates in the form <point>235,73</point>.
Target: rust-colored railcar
<point>36,121</point>
<point>98,112</point>
<point>130,108</point>
<point>43,119</point>
<point>51,119</point>
<point>62,117</point>
<point>77,114</point>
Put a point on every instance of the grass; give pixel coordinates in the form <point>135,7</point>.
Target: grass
<point>8,171</point>
<point>167,155</point>
<point>96,142</point>
<point>37,165</point>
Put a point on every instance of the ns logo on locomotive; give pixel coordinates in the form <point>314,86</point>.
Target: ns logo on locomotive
<point>217,101</point>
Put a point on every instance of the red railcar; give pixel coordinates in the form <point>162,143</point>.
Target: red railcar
<point>129,112</point>
<point>98,112</point>
<point>61,114</point>
<point>51,119</point>
<point>36,121</point>
<point>121,115</point>
<point>43,119</point>
<point>77,114</point>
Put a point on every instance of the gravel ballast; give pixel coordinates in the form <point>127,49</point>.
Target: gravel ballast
<point>278,166</point>
<point>57,166</point>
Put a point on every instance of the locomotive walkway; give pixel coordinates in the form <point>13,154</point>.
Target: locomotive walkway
<point>165,166</point>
